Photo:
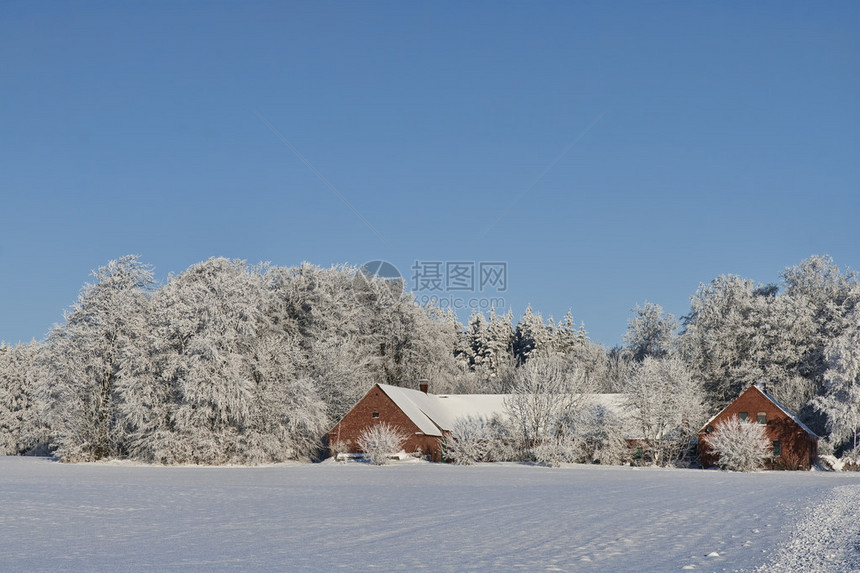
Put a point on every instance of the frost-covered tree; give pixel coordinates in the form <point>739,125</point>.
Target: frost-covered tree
<point>738,333</point>
<point>593,434</point>
<point>592,361</point>
<point>841,401</point>
<point>486,350</point>
<point>222,385</point>
<point>500,339</point>
<point>666,405</point>
<point>319,307</point>
<point>87,356</point>
<point>619,364</point>
<point>823,297</point>
<point>530,336</point>
<point>20,427</point>
<point>741,445</point>
<point>547,393</point>
<point>650,332</point>
<point>478,350</point>
<point>565,337</point>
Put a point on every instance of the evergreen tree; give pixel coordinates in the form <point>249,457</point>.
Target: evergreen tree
<point>530,336</point>
<point>650,332</point>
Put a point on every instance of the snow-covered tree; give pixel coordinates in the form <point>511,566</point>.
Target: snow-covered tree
<point>619,365</point>
<point>592,434</point>
<point>530,336</point>
<point>87,355</point>
<point>222,383</point>
<point>500,337</point>
<point>738,333</point>
<point>547,393</point>
<point>565,337</point>
<point>822,297</point>
<point>650,332</point>
<point>841,401</point>
<point>741,445</point>
<point>20,427</point>
<point>666,405</point>
<point>486,350</point>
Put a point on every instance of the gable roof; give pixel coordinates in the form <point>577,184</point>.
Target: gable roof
<point>773,400</point>
<point>785,411</point>
<point>437,413</point>
<point>434,414</point>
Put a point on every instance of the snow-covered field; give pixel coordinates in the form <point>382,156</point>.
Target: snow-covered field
<point>435,517</point>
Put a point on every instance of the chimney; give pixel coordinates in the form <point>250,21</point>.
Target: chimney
<point>424,385</point>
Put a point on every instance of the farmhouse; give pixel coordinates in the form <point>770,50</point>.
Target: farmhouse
<point>426,418</point>
<point>794,444</point>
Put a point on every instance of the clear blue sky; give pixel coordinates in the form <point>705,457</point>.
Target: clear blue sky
<point>707,138</point>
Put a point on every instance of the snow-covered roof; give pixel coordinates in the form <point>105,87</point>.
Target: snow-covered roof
<point>775,402</point>
<point>435,413</point>
<point>785,411</point>
<point>410,403</point>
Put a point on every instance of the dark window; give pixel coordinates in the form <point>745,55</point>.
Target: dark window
<point>777,449</point>
<point>761,418</point>
<point>709,429</point>
<point>743,415</point>
<point>376,414</point>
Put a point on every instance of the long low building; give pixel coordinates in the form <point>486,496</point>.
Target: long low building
<point>426,418</point>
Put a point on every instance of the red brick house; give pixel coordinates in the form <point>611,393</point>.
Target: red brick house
<point>794,444</point>
<point>425,417</point>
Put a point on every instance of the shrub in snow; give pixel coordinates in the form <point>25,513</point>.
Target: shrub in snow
<point>557,450</point>
<point>380,441</point>
<point>593,434</point>
<point>339,447</point>
<point>829,462</point>
<point>850,460</point>
<point>741,445</point>
<point>599,436</point>
<point>471,440</point>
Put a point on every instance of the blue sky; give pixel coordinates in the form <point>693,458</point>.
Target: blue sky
<point>609,153</point>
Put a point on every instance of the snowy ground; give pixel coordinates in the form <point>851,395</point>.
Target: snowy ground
<point>435,517</point>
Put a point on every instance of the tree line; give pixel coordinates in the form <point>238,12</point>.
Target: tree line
<point>234,363</point>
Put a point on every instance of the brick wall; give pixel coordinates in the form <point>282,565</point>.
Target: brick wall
<point>798,448</point>
<point>362,416</point>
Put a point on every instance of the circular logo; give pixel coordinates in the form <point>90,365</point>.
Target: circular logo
<point>378,281</point>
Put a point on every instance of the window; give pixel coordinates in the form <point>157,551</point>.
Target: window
<point>761,418</point>
<point>743,416</point>
<point>376,414</point>
<point>777,449</point>
<point>709,429</point>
